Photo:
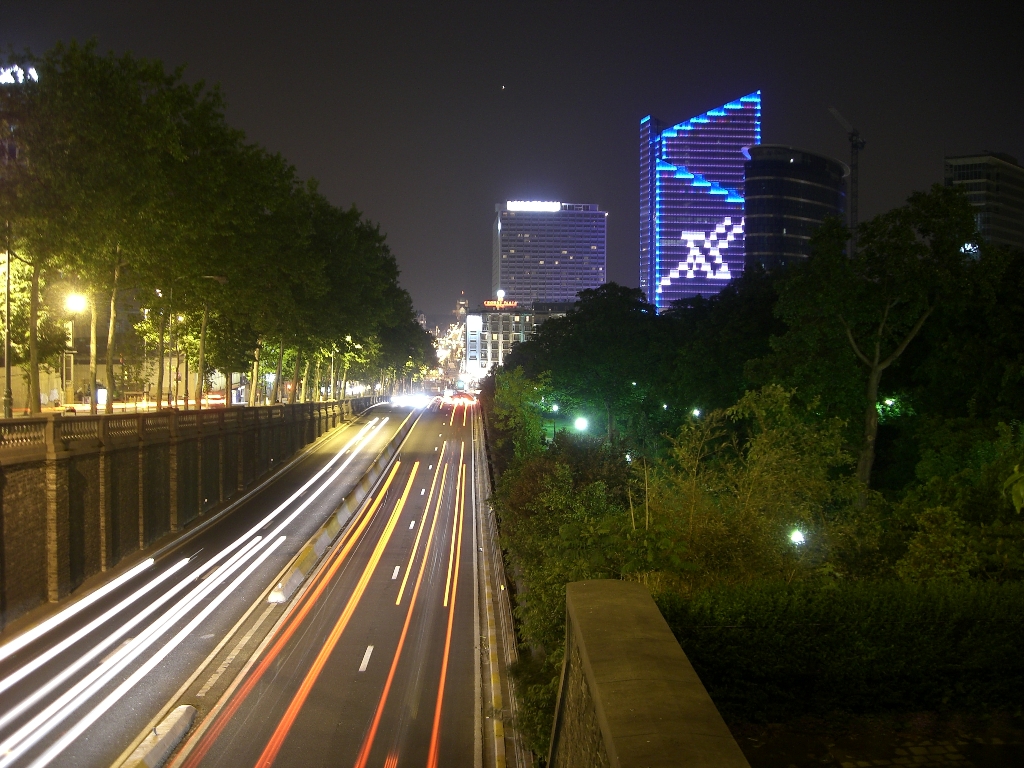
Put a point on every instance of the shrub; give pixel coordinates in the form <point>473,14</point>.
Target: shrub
<point>775,651</point>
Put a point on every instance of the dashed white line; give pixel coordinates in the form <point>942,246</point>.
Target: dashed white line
<point>395,574</point>
<point>366,658</point>
<point>412,524</point>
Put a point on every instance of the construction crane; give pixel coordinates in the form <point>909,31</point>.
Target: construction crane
<point>856,145</point>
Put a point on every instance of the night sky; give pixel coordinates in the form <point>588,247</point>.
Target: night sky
<point>426,114</point>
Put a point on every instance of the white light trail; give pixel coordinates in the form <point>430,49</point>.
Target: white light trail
<point>45,721</point>
<point>118,693</point>
<point>77,696</point>
<point>81,661</point>
<point>38,631</point>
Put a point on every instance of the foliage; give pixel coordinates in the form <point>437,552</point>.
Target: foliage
<point>846,312</point>
<point>771,651</point>
<point>125,181</point>
<point>960,522</point>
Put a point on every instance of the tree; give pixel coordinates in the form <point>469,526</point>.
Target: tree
<point>865,310</point>
<point>605,352</point>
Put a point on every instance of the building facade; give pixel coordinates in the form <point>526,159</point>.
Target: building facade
<point>492,331</point>
<point>547,251</point>
<point>691,200</point>
<point>788,193</point>
<point>994,183</point>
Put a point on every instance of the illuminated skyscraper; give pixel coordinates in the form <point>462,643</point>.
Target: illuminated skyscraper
<point>547,251</point>
<point>691,200</point>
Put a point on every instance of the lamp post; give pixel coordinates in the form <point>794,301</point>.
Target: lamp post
<point>8,395</point>
<point>74,303</point>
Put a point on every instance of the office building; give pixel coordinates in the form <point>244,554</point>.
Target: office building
<point>492,330</point>
<point>994,183</point>
<point>547,251</point>
<point>788,193</point>
<point>691,200</point>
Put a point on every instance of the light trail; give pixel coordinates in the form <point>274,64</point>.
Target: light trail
<point>92,653</point>
<point>76,696</point>
<point>43,658</point>
<point>436,731</point>
<point>419,533</point>
<point>455,522</point>
<point>273,747</point>
<point>19,642</point>
<point>118,693</point>
<point>301,610</point>
<point>362,438</point>
<point>364,753</point>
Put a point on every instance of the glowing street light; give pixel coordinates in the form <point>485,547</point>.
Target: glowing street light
<point>696,413</point>
<point>797,537</point>
<point>554,407</point>
<point>76,303</point>
<point>580,424</point>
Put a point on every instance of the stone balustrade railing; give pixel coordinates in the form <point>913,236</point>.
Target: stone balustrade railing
<point>79,493</point>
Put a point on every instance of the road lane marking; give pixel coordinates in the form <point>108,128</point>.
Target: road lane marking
<point>460,487</point>
<point>366,658</point>
<point>276,741</point>
<point>234,652</point>
<point>395,574</point>
<point>300,610</point>
<point>419,533</point>
<point>422,491</point>
<point>412,524</point>
<point>436,732</point>
<point>364,753</point>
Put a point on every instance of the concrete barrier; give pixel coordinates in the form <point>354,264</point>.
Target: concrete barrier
<point>162,740</point>
<point>321,541</point>
<point>628,696</point>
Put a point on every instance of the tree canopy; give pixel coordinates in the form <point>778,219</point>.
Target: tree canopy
<point>123,180</point>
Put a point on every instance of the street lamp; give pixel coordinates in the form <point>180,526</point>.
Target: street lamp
<point>580,424</point>
<point>75,304</point>
<point>8,395</point>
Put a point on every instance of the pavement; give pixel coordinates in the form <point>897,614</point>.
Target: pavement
<point>374,660</point>
<point>78,688</point>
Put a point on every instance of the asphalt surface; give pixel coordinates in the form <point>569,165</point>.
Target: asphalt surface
<point>374,662</point>
<point>79,692</point>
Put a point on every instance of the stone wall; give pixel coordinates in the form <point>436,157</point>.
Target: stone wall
<point>80,493</point>
<point>628,695</point>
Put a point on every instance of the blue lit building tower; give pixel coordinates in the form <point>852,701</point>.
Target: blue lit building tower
<point>691,200</point>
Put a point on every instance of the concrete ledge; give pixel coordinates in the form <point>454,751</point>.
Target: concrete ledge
<point>628,695</point>
<point>162,740</point>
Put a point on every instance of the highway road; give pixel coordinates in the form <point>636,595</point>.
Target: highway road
<point>374,661</point>
<point>79,687</point>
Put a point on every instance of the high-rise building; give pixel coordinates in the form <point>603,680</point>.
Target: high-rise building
<point>994,183</point>
<point>691,200</point>
<point>547,251</point>
<point>788,193</point>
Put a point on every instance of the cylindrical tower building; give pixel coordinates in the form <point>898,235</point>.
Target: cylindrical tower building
<point>789,192</point>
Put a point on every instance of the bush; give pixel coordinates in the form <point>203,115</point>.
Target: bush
<point>769,652</point>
